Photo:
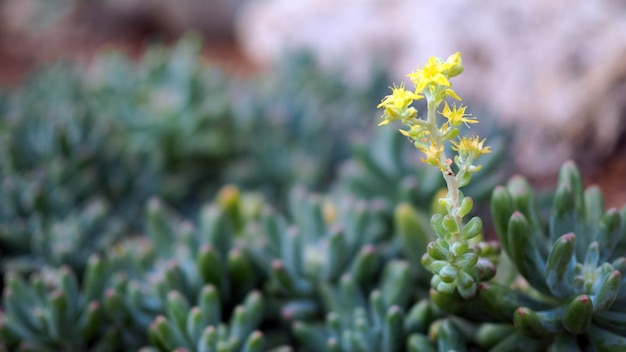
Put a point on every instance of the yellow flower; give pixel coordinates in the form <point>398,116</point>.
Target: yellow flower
<point>432,72</point>
<point>438,72</point>
<point>457,116</point>
<point>396,103</point>
<point>470,147</point>
<point>433,154</point>
<point>415,132</point>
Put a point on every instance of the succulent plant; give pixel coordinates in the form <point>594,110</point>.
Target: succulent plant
<point>178,256</point>
<point>324,241</point>
<point>173,106</point>
<point>62,166</point>
<point>202,328</point>
<point>570,293</point>
<point>356,321</point>
<point>284,116</point>
<point>259,133</point>
<point>52,311</point>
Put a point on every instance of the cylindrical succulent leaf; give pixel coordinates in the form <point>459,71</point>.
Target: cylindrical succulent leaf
<point>436,223</point>
<point>609,287</point>
<point>604,340</point>
<point>419,343</point>
<point>538,324</point>
<point>524,254</point>
<point>216,228</point>
<point>578,314</point>
<point>560,265</point>
<point>209,304</point>
<point>594,204</point>
<point>611,320</point>
<point>337,249</point>
<point>240,272</point>
<point>311,337</point>
<point>608,233</point>
<point>500,302</point>
<point>501,209</point>
<point>472,229</point>
<point>395,284</point>
<point>177,309</point>
<point>419,317</point>
<point>393,330</point>
<point>364,265</point>
<point>518,342</point>
<point>195,324</point>
<point>210,265</point>
<point>490,334</point>
<point>413,235</point>
<point>254,343</point>
<point>290,251</point>
<point>449,337</point>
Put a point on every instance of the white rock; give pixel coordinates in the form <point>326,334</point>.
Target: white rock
<point>556,68</point>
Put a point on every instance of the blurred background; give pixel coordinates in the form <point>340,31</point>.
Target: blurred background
<point>553,73</point>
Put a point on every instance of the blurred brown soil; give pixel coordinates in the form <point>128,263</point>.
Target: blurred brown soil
<point>611,177</point>
<point>85,33</point>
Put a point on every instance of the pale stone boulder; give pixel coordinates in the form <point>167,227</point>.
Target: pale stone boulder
<point>557,68</point>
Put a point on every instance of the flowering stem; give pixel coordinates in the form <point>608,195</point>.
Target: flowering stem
<point>446,170</point>
<point>450,257</point>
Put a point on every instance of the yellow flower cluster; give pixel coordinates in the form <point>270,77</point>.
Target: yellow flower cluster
<point>436,74</point>
<point>457,116</point>
<point>469,149</point>
<point>397,105</point>
<point>432,81</point>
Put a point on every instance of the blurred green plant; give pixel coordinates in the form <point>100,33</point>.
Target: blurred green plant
<point>53,311</point>
<point>260,133</point>
<point>63,170</point>
<point>170,125</point>
<point>200,328</point>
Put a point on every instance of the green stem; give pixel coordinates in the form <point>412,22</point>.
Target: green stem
<point>448,175</point>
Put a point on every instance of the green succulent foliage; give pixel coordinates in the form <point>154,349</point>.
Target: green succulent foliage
<point>283,118</point>
<point>178,256</point>
<point>260,133</point>
<point>173,106</point>
<point>411,240</point>
<point>53,311</point>
<point>201,327</point>
<point>573,266</point>
<point>323,241</point>
<point>71,240</point>
<point>63,169</point>
<point>379,321</point>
